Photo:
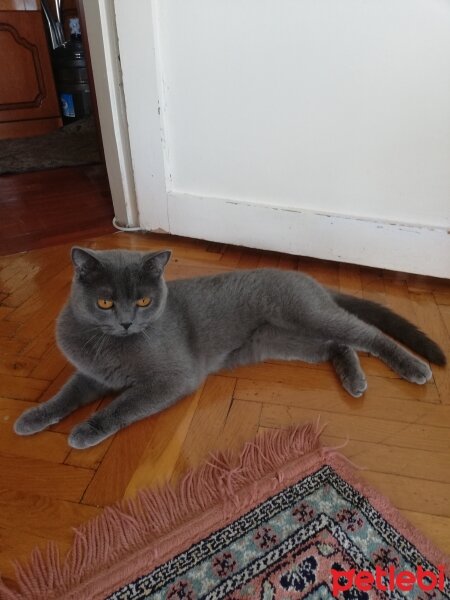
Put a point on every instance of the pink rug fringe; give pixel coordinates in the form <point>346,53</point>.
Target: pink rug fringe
<point>132,524</point>
<point>113,541</point>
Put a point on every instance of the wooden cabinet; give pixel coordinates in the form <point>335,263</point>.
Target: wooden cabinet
<point>28,100</point>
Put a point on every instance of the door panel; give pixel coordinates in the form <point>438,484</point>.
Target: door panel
<point>318,127</point>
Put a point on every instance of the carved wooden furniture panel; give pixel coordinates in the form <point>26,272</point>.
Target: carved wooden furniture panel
<point>28,100</point>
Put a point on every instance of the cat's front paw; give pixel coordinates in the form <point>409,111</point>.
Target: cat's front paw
<point>85,435</point>
<point>33,420</point>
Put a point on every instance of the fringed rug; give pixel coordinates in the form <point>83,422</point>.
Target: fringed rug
<point>285,519</point>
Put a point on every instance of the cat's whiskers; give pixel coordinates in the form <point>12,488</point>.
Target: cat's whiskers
<point>90,339</point>
<point>102,344</point>
<point>99,345</point>
<point>96,342</point>
<point>148,340</point>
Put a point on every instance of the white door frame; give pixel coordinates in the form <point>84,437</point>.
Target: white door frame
<point>103,45</point>
<point>143,88</point>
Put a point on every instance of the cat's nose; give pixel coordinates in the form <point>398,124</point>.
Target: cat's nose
<point>126,325</point>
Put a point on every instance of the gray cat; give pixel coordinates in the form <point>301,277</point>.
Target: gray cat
<point>128,331</point>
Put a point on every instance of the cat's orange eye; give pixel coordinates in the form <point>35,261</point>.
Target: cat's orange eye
<point>143,302</point>
<point>105,304</point>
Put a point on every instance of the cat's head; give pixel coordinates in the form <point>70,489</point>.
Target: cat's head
<point>119,291</point>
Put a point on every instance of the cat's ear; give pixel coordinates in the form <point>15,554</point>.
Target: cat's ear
<point>154,264</point>
<point>87,266</point>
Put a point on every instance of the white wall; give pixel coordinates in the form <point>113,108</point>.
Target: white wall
<point>337,106</point>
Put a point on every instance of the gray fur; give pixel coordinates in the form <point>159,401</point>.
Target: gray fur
<point>194,327</point>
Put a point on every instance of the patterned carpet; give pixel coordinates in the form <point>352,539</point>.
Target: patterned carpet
<point>285,520</point>
<point>288,547</point>
<point>74,144</point>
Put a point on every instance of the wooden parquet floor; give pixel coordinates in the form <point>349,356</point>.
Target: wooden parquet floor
<point>398,431</point>
<point>45,208</point>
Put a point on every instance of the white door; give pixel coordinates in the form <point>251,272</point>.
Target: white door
<point>315,127</point>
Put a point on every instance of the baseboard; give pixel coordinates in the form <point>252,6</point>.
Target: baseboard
<point>413,249</point>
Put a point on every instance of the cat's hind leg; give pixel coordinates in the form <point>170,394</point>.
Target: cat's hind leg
<point>77,391</point>
<point>346,329</point>
<point>272,342</point>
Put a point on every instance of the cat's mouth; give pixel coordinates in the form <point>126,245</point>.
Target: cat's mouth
<point>127,333</point>
<point>120,332</point>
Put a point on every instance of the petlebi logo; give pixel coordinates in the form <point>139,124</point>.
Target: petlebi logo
<point>387,580</point>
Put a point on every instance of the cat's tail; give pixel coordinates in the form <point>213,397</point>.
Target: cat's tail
<point>394,325</point>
